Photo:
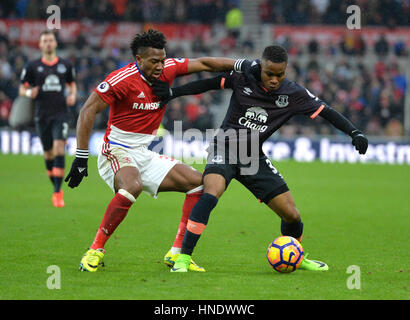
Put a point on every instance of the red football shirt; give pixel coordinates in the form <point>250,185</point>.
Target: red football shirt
<point>134,109</point>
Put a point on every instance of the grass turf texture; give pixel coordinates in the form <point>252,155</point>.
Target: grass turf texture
<point>353,215</point>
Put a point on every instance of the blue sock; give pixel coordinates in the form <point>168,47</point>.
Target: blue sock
<point>58,167</point>
<point>294,230</point>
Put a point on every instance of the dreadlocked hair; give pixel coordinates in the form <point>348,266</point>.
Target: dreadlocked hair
<point>148,39</point>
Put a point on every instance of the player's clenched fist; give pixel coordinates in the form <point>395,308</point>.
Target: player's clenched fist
<point>162,90</point>
<point>78,169</point>
<point>359,141</point>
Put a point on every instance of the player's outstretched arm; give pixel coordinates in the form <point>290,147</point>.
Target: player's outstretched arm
<point>166,93</point>
<point>85,123</point>
<point>359,140</point>
<point>213,64</point>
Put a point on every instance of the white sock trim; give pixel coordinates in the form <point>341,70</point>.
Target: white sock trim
<point>126,194</point>
<point>175,250</point>
<point>201,187</point>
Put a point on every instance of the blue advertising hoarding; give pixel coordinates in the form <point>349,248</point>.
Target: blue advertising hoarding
<point>303,149</point>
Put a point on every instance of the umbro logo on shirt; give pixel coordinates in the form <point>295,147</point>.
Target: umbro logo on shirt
<point>247,91</point>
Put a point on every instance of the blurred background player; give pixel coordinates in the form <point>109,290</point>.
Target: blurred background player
<point>45,80</point>
<point>260,104</point>
<point>125,162</point>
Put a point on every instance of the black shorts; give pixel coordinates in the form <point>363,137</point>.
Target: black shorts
<point>50,129</point>
<point>265,184</point>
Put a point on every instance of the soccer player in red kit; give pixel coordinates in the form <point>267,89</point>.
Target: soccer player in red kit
<point>125,162</point>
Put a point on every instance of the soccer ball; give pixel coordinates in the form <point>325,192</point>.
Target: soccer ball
<point>285,254</point>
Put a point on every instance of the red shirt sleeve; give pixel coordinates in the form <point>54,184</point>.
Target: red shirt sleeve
<point>173,68</point>
<point>111,93</point>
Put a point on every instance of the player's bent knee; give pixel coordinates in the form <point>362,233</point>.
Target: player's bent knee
<point>214,188</point>
<point>129,179</point>
<point>292,215</point>
<point>59,147</point>
<point>284,206</point>
<point>135,189</point>
<point>49,154</point>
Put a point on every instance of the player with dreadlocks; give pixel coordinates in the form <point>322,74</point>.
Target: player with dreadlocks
<point>125,163</point>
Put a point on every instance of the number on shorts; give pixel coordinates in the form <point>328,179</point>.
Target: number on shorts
<point>274,170</point>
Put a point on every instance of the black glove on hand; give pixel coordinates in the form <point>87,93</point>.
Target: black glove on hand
<point>163,91</point>
<point>78,169</point>
<point>359,141</point>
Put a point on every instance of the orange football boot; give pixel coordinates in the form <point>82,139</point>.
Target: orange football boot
<point>58,199</point>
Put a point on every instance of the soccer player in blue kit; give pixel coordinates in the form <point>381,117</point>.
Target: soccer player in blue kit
<point>262,101</point>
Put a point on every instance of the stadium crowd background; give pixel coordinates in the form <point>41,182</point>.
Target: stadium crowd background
<point>367,83</point>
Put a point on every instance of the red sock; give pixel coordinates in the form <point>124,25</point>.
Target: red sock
<point>190,201</point>
<point>115,213</point>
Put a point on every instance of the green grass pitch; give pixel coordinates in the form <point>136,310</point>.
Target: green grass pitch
<point>353,215</point>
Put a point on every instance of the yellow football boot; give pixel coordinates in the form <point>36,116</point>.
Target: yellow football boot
<point>91,260</point>
<point>313,265</point>
<point>170,259</point>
